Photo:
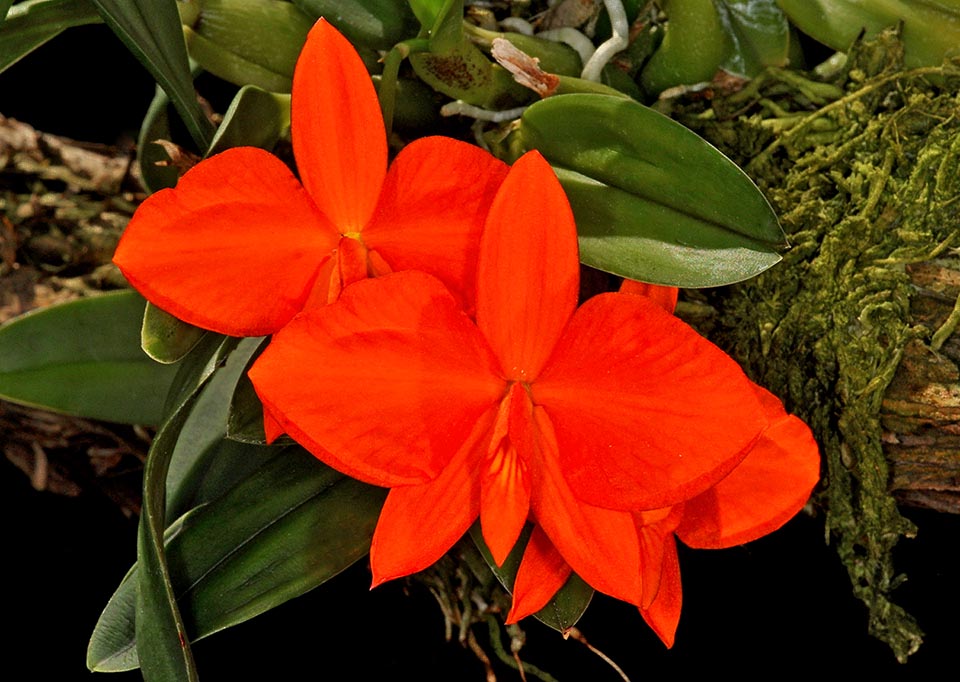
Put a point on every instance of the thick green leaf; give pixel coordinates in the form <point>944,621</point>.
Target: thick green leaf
<point>565,607</point>
<point>151,30</point>
<point>30,24</point>
<point>84,358</point>
<point>166,338</point>
<point>375,24</point>
<point>288,527</point>
<point>255,118</point>
<point>653,201</point>
<point>931,28</point>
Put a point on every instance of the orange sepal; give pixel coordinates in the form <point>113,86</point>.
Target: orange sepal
<point>234,248</point>
<point>528,272</point>
<point>663,616</point>
<point>338,136</point>
<point>767,489</point>
<point>542,573</point>
<point>647,412</point>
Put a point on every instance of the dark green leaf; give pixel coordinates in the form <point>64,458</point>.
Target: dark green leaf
<point>375,24</point>
<point>84,358</point>
<point>760,35</point>
<point>205,465</point>
<point>166,338</point>
<point>288,527</point>
<point>163,648</point>
<point>30,24</point>
<point>150,156</point>
<point>653,201</point>
<point>245,423</point>
<point>256,118</point>
<point>151,30</point>
<point>565,607</point>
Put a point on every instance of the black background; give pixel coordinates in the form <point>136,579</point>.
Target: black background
<point>780,605</point>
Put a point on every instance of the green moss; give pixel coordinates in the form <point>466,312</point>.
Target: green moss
<point>863,185</point>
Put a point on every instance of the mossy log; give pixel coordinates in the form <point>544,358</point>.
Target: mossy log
<point>855,328</point>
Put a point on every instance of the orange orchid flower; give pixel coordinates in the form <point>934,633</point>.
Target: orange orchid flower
<point>576,418</point>
<point>240,245</point>
<point>763,492</point>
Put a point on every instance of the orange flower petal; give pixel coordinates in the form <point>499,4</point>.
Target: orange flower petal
<point>663,616</point>
<point>431,212</point>
<point>599,544</point>
<point>647,412</point>
<point>542,573</point>
<point>385,384</point>
<point>338,135</point>
<point>766,490</point>
<point>528,271</point>
<point>654,534</point>
<point>505,483</point>
<point>665,297</point>
<point>234,248</point>
<point>419,523</point>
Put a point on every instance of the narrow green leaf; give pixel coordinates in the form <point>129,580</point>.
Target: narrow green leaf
<point>653,201</point>
<point>84,358</point>
<point>151,30</point>
<point>162,644</point>
<point>291,525</point>
<point>245,423</point>
<point>30,24</point>
<point>166,338</point>
<point>565,607</point>
<point>204,464</point>
<point>150,156</point>
<point>255,118</point>
<point>163,648</point>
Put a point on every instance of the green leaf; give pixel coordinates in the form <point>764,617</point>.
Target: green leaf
<point>156,126</point>
<point>84,358</point>
<point>255,118</point>
<point>197,473</point>
<point>151,30</point>
<point>290,526</point>
<point>565,607</point>
<point>245,423</point>
<point>652,200</point>
<point>760,34</point>
<point>931,28</point>
<point>29,25</point>
<point>246,42</point>
<point>162,645</point>
<point>166,338</point>
<point>375,24</point>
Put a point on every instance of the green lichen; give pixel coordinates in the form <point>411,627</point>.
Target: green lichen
<point>864,184</point>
